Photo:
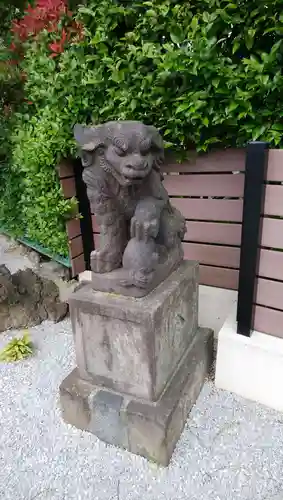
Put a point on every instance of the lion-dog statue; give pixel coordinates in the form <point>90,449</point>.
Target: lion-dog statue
<point>140,231</point>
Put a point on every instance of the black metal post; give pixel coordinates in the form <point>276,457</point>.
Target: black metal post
<point>256,161</point>
<point>84,209</point>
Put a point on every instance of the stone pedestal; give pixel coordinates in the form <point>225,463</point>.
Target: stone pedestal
<point>140,364</point>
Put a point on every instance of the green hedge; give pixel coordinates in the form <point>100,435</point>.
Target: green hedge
<point>11,94</point>
<point>206,73</point>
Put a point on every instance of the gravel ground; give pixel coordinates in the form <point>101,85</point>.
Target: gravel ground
<point>230,449</point>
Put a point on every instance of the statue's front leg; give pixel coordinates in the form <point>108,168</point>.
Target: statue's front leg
<point>112,242</point>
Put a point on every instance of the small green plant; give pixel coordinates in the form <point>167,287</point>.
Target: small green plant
<point>17,349</point>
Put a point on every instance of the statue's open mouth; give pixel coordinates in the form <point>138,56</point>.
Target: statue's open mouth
<point>135,178</point>
<point>134,174</point>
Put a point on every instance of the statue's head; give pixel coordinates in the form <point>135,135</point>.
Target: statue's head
<point>129,150</point>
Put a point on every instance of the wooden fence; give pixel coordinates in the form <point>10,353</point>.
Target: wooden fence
<point>80,230</point>
<point>209,191</point>
<point>268,313</point>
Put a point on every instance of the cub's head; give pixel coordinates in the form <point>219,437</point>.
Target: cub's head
<point>129,150</point>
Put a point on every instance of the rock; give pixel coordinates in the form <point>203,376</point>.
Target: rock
<point>55,309</point>
<point>27,299</point>
<point>28,284</point>
<point>4,270</point>
<point>54,270</point>
<point>7,288</point>
<point>34,257</point>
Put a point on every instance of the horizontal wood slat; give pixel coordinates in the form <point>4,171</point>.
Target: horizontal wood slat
<point>270,294</point>
<point>273,204</point>
<point>219,277</point>
<point>228,185</point>
<point>213,255</point>
<point>73,228</point>
<point>209,210</point>
<point>78,265</point>
<point>229,160</point>
<point>68,187</point>
<point>272,233</point>
<point>268,321</point>
<point>76,246</point>
<point>211,232</point>
<point>66,169</point>
<point>271,264</point>
<point>275,165</point>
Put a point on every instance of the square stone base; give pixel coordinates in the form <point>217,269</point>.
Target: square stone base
<point>131,345</point>
<point>142,427</point>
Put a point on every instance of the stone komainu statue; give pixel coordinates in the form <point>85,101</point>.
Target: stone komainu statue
<point>139,229</point>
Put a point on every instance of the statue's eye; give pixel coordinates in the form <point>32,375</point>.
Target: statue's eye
<point>100,151</point>
<point>120,146</point>
<point>119,151</point>
<point>145,146</point>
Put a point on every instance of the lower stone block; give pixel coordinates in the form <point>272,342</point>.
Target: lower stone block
<point>142,427</point>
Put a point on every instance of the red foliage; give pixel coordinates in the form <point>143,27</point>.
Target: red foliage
<point>66,34</point>
<point>46,15</point>
<point>58,47</point>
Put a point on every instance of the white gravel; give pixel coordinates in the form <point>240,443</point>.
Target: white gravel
<point>231,449</point>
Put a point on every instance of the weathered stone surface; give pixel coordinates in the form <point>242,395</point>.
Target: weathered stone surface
<point>134,345</point>
<point>54,271</point>
<point>55,309</point>
<point>34,257</point>
<point>28,285</point>
<point>7,287</point>
<point>74,397</point>
<point>108,418</point>
<point>145,428</point>
<point>26,300</point>
<point>114,282</point>
<point>137,222</point>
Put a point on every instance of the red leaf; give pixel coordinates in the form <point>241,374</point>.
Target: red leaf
<point>56,47</point>
<point>46,14</point>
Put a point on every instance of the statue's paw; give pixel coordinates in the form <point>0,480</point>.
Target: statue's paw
<point>142,280</point>
<point>126,283</point>
<point>101,263</point>
<point>142,230</point>
<point>138,279</point>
